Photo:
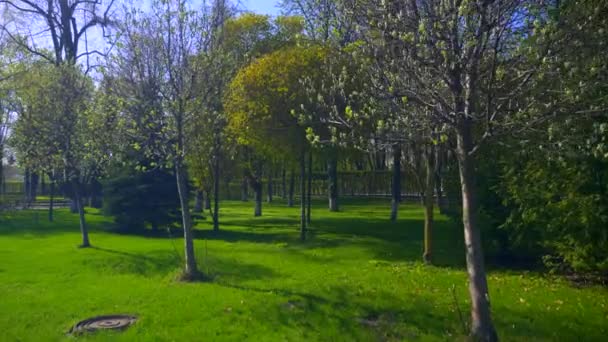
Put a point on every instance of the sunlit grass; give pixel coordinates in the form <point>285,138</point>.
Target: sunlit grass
<point>359,277</point>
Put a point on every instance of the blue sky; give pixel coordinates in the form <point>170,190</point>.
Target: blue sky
<point>261,6</point>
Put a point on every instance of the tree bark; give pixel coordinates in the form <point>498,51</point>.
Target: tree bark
<point>51,199</point>
<point>198,202</point>
<point>257,188</point>
<point>190,270</point>
<point>396,185</point>
<point>428,205</point>
<point>283,184</point>
<point>309,191</point>
<point>216,189</point>
<point>303,196</point>
<point>332,181</point>
<point>207,200</point>
<point>244,190</point>
<point>292,185</point>
<point>27,184</point>
<point>439,179</point>
<point>34,179</point>
<point>269,194</point>
<point>80,208</point>
<point>482,327</point>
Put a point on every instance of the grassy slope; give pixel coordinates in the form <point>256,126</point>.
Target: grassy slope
<point>267,286</point>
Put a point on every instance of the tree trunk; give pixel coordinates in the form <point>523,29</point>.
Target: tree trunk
<point>42,185</point>
<point>244,190</point>
<point>1,171</point>
<point>198,202</point>
<point>257,188</point>
<point>51,199</point>
<point>438,179</point>
<point>79,206</point>
<point>292,185</point>
<point>190,270</point>
<point>309,191</point>
<point>283,184</point>
<point>428,205</point>
<point>482,327</point>
<point>27,181</point>
<point>269,194</point>
<point>332,181</point>
<point>216,193</point>
<point>396,185</point>
<point>34,178</point>
<point>303,196</point>
<point>207,200</point>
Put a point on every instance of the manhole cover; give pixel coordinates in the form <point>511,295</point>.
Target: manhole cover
<point>103,322</point>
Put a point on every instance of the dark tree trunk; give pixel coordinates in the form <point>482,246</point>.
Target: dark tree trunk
<point>396,185</point>
<point>244,190</point>
<point>428,205</point>
<point>33,186</point>
<point>42,185</point>
<point>198,202</point>
<point>309,190</point>
<point>482,327</point>
<point>303,196</point>
<point>269,194</point>
<point>439,179</point>
<point>257,188</point>
<point>51,199</point>
<point>190,270</point>
<point>216,193</point>
<point>332,181</point>
<point>207,200</point>
<point>2,190</point>
<point>283,184</point>
<point>27,181</point>
<point>292,185</point>
<point>80,208</point>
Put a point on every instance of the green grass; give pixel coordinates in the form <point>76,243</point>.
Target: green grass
<point>359,278</point>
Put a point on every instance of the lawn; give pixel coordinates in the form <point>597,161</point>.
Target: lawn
<point>358,278</point>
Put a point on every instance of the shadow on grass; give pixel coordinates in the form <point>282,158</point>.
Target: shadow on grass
<point>164,262</point>
<point>353,317</point>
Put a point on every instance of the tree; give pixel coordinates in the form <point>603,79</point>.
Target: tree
<point>174,34</point>
<point>66,24</point>
<point>451,58</point>
<point>262,102</point>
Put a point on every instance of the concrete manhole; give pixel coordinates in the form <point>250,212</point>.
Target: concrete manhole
<point>109,322</point>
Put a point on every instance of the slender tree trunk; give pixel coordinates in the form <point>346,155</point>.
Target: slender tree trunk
<point>292,185</point>
<point>269,194</point>
<point>309,191</point>
<point>428,205</point>
<point>257,188</point>
<point>482,327</point>
<point>283,184</point>
<point>190,269</point>
<point>244,190</point>
<point>51,199</point>
<point>332,181</point>
<point>438,179</point>
<point>303,196</point>
<point>198,202</point>
<point>207,200</point>
<point>42,185</point>
<point>396,185</point>
<point>34,179</point>
<point>216,193</point>
<point>1,171</point>
<point>80,207</point>
<point>27,181</point>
